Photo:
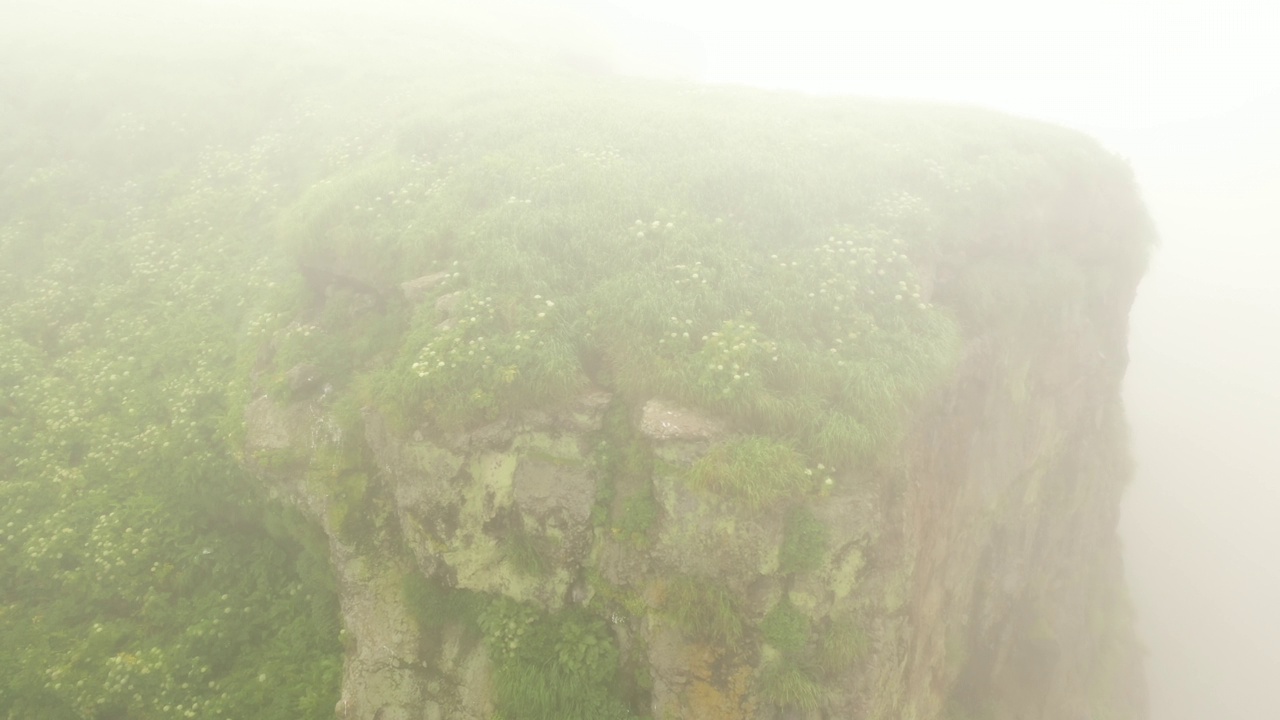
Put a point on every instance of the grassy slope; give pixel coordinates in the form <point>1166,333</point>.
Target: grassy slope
<point>756,255</point>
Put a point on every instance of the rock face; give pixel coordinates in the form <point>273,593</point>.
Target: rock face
<point>655,561</point>
<point>662,421</point>
<point>980,570</point>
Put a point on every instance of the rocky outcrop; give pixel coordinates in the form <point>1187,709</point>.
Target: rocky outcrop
<point>664,562</point>
<point>975,569</point>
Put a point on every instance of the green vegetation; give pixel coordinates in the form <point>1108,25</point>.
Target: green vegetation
<point>488,359</point>
<point>523,552</point>
<point>141,573</point>
<point>786,628</point>
<point>639,512</point>
<point>551,667</point>
<point>786,683</point>
<point>703,610</point>
<point>611,599</point>
<point>625,491</point>
<point>804,542</point>
<point>841,645</point>
<point>435,607</point>
<point>759,471</point>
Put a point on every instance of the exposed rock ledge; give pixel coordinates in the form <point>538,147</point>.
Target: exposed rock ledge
<point>975,566</point>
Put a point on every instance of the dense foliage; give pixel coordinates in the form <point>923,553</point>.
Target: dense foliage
<point>141,574</point>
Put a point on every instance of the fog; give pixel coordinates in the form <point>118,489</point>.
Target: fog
<point>1188,91</point>
<point>1204,403</point>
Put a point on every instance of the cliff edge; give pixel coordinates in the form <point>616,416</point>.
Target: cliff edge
<point>715,404</point>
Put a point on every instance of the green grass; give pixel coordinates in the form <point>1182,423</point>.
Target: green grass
<point>786,684</point>
<point>842,643</point>
<point>561,666</point>
<point>755,470</point>
<point>703,610</point>
<point>786,628</point>
<point>624,495</point>
<point>580,235</point>
<point>804,542</point>
<point>523,552</point>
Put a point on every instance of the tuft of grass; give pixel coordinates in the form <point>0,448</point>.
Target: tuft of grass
<point>786,684</point>
<point>755,470</point>
<point>804,542</point>
<point>523,553</point>
<point>841,645</point>
<point>786,628</point>
<point>703,610</point>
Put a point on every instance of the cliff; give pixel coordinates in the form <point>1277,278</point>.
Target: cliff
<point>853,450</point>
<point>560,396</point>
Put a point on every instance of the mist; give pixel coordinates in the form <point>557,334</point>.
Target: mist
<point>1204,405</point>
<point>1188,93</point>
<point>1190,96</point>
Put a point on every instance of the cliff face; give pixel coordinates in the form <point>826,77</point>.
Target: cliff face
<point>972,572</point>
<point>1018,606</point>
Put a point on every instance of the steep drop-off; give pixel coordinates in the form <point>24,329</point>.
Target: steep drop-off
<point>717,463</point>
<point>602,399</point>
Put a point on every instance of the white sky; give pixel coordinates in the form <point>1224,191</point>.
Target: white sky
<point>1128,63</point>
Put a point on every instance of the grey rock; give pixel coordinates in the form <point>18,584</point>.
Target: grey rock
<point>662,420</point>
<point>416,290</point>
<point>446,305</point>
<point>302,377</point>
